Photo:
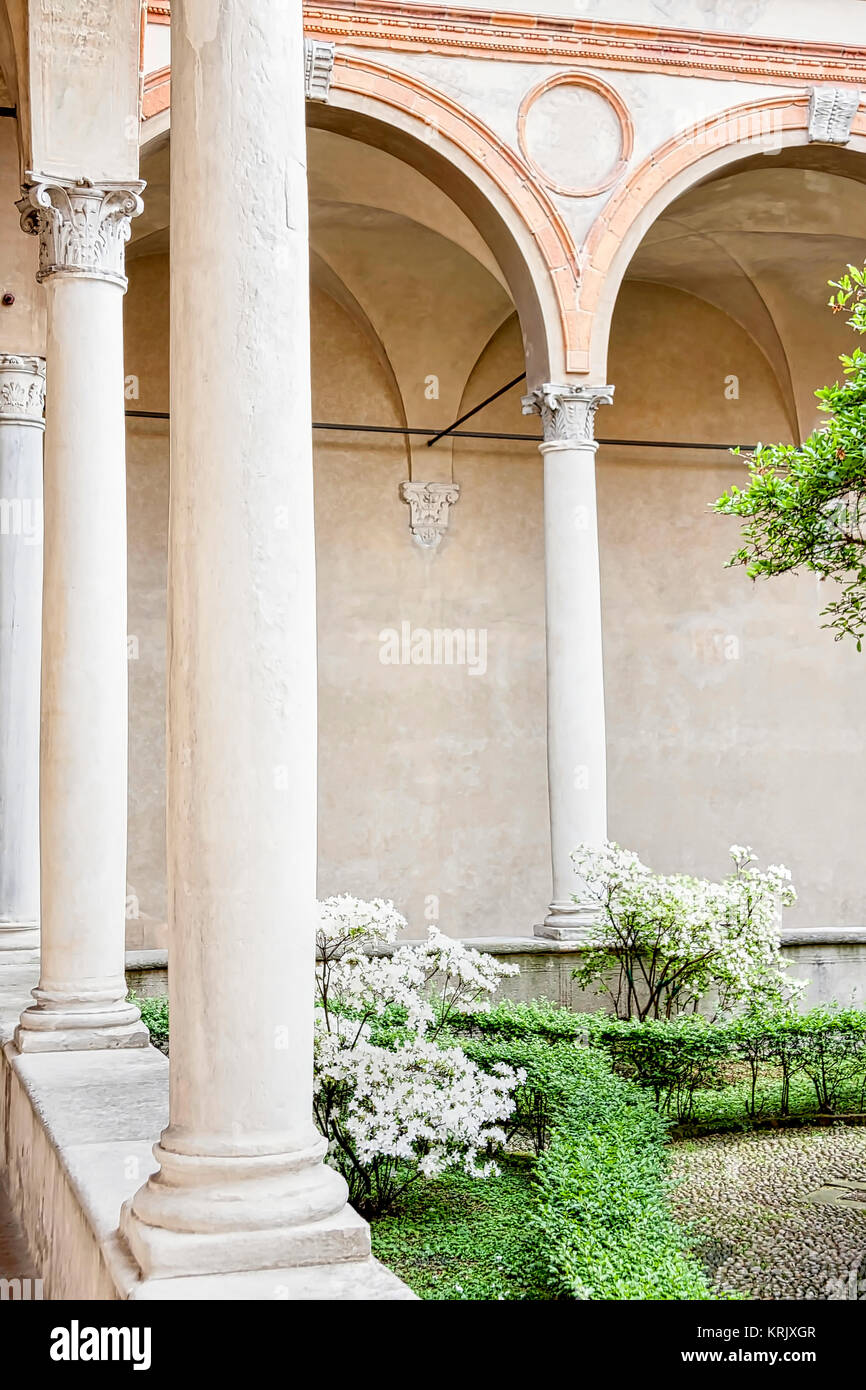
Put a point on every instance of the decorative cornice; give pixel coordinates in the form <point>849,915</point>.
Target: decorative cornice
<point>436,28</point>
<point>567,413</point>
<point>22,389</point>
<point>552,39</point>
<point>82,226</point>
<point>831,114</point>
<point>429,505</point>
<point>318,66</point>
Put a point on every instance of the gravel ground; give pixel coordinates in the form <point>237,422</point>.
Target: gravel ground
<point>747,1200</point>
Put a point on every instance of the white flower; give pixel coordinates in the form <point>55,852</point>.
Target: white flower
<point>706,936</point>
<point>412,1101</point>
<point>419,1101</point>
<point>345,918</point>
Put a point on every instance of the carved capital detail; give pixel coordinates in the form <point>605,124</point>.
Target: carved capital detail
<point>82,227</point>
<point>429,505</point>
<point>22,389</point>
<point>831,113</point>
<point>567,413</point>
<point>318,66</point>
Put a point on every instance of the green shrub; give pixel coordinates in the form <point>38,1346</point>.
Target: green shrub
<point>674,1058</point>
<point>602,1191</point>
<point>832,1052</point>
<point>154,1014</point>
<point>542,1099</point>
<point>760,1065</point>
<point>601,1176</point>
<point>540,1019</point>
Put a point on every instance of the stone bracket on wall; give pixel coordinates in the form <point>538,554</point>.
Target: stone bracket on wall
<point>318,67</point>
<point>429,509</point>
<point>831,113</point>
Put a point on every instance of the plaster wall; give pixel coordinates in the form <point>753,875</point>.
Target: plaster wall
<point>730,714</point>
<point>732,717</point>
<point>22,324</point>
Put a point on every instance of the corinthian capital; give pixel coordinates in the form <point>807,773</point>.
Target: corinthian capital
<point>22,389</point>
<point>429,505</point>
<point>567,412</point>
<point>82,226</point>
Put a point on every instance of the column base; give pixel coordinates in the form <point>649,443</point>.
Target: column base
<point>80,1039</point>
<point>19,942</point>
<point>161,1254</point>
<point>58,1024</point>
<point>211,1213</point>
<point>567,922</point>
<point>348,1281</point>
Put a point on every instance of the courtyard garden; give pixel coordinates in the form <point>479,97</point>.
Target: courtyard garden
<point>698,1138</point>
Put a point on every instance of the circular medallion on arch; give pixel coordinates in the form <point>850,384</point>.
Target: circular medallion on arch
<point>575,133</point>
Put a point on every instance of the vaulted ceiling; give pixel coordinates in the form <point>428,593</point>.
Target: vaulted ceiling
<point>760,242</point>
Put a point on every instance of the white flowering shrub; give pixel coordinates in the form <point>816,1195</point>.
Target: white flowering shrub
<point>393,1102</point>
<point>664,943</point>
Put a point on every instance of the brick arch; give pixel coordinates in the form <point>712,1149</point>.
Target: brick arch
<point>669,171</point>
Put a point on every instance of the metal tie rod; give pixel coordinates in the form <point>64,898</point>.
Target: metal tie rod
<point>479,434</point>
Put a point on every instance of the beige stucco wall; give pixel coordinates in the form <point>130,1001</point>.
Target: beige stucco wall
<point>146,323</point>
<point>22,324</point>
<point>731,716</point>
<point>432,780</point>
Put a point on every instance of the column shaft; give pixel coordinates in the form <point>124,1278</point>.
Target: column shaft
<point>241,1183</point>
<point>576,748</point>
<point>22,395</point>
<point>81,996</point>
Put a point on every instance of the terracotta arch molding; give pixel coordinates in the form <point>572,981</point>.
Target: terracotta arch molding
<point>515,179</point>
<point>612,238</point>
<point>589,83</point>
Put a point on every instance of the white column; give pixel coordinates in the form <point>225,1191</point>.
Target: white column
<point>241,1184</point>
<point>81,996</point>
<point>576,753</point>
<point>22,398</point>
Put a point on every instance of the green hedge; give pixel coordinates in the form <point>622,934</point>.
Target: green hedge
<point>762,1065</point>
<point>600,1182</point>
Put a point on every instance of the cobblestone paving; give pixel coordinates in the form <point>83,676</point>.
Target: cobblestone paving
<point>778,1214</point>
<point>14,1258</point>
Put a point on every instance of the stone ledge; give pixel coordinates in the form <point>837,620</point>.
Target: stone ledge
<point>823,936</point>
<point>542,946</point>
<point>546,946</point>
<point>832,958</point>
<point>16,982</point>
<point>147,960</point>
